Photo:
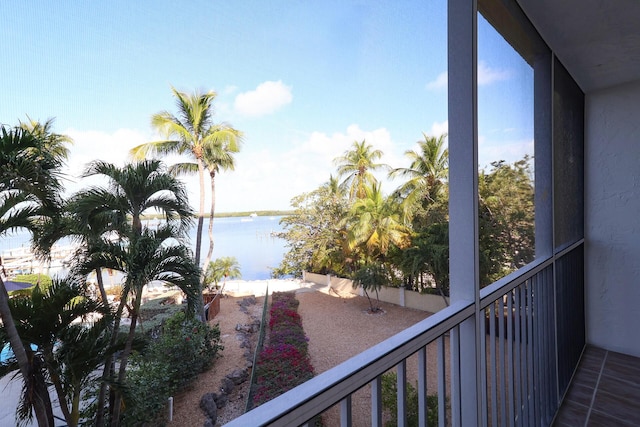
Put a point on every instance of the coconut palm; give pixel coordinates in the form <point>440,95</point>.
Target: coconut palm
<point>356,166</point>
<point>427,173</point>
<point>217,156</point>
<point>29,191</point>
<point>193,133</point>
<point>375,223</point>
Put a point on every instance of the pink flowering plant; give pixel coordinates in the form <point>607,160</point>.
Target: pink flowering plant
<point>284,363</point>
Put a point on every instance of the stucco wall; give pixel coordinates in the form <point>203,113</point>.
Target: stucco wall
<point>612,218</point>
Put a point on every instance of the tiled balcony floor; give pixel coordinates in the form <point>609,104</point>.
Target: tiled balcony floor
<point>605,391</point>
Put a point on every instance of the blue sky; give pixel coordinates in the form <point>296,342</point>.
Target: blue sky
<point>302,80</point>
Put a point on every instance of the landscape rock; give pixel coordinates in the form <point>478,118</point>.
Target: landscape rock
<point>238,376</point>
<point>227,385</point>
<point>222,400</point>
<point>209,406</point>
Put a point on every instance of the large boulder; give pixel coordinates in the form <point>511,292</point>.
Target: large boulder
<point>209,406</point>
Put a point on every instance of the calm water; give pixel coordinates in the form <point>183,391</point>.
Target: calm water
<point>247,239</point>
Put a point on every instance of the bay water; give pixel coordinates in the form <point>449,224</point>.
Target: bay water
<point>250,240</point>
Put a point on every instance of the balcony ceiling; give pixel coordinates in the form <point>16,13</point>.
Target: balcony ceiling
<point>597,40</point>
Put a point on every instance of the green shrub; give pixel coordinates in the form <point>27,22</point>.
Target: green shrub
<point>390,402</point>
<point>185,348</point>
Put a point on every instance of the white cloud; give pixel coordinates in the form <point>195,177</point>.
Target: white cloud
<point>439,83</point>
<point>228,90</point>
<point>439,128</point>
<point>96,145</point>
<point>488,75</point>
<point>267,98</point>
<point>269,180</point>
<point>509,151</point>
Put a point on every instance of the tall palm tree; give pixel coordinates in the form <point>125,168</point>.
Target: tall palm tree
<point>29,191</point>
<point>356,166</point>
<point>191,132</point>
<point>217,156</point>
<point>427,172</point>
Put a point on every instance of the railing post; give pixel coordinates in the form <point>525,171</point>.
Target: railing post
<point>463,209</point>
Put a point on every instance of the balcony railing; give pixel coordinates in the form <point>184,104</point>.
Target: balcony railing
<point>531,335</point>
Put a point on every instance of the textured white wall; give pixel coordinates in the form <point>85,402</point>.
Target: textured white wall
<point>612,218</point>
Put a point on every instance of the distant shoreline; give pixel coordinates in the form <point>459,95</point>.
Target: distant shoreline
<point>231,214</point>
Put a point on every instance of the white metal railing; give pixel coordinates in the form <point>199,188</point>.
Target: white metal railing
<point>521,357</point>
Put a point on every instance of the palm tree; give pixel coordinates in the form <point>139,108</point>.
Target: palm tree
<point>144,257</point>
<point>29,191</point>
<point>217,156</point>
<point>116,210</point>
<point>60,351</point>
<point>55,143</point>
<point>356,165</point>
<point>221,269</point>
<point>192,133</point>
<point>427,172</point>
<point>375,223</point>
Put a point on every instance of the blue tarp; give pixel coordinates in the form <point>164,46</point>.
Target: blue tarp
<point>14,286</point>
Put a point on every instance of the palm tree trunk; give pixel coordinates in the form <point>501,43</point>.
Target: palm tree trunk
<point>100,280</point>
<point>108,366</point>
<point>62,398</point>
<point>200,211</point>
<point>211,215</point>
<point>199,235</point>
<point>44,415</point>
<point>115,421</point>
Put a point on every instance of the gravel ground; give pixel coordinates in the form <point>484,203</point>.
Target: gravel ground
<point>338,328</point>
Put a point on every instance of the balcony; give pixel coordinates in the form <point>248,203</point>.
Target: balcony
<point>605,390</point>
<point>529,337</point>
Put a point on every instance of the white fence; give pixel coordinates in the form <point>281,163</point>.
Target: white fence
<point>398,296</point>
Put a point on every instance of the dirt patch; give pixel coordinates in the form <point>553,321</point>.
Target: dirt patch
<point>338,328</point>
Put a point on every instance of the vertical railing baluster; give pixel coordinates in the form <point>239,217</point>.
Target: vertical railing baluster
<point>510,360</point>
<point>423,392</point>
<point>454,352</point>
<point>524,326</point>
<point>401,385</point>
<point>442,383</point>
<point>483,372</point>
<point>376,402</point>
<point>530,360</point>
<point>345,412</point>
<point>502,370</point>
<point>517,368</point>
<point>493,372</point>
